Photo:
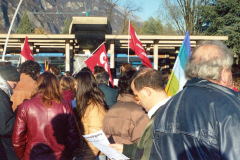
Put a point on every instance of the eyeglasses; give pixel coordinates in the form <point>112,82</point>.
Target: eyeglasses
<point>135,97</point>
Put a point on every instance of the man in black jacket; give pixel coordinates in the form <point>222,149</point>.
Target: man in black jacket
<point>9,76</point>
<point>109,93</point>
<point>203,120</point>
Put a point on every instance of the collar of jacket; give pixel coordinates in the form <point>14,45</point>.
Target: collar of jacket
<point>68,93</point>
<point>126,98</point>
<point>199,82</point>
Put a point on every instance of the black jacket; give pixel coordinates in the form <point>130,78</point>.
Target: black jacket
<point>200,122</point>
<point>7,120</point>
<point>109,93</point>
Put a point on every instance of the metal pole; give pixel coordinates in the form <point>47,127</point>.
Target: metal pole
<point>128,38</point>
<point>10,29</point>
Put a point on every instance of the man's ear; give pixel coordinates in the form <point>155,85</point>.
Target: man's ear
<point>224,75</point>
<point>147,91</point>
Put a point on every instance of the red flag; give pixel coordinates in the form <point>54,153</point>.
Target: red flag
<point>26,51</point>
<point>137,47</point>
<point>99,58</point>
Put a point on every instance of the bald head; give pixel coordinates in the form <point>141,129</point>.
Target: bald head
<point>206,53</point>
<point>208,60</point>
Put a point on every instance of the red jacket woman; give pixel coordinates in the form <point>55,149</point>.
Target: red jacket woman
<point>67,85</point>
<point>47,122</point>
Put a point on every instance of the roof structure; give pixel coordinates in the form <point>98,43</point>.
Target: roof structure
<point>44,43</point>
<point>87,33</point>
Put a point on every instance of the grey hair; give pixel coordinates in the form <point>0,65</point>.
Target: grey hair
<point>209,67</point>
<point>102,77</point>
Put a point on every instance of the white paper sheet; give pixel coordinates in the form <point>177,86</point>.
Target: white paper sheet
<point>100,141</point>
<point>115,82</point>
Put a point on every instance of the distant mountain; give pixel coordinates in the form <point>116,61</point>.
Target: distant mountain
<point>51,14</point>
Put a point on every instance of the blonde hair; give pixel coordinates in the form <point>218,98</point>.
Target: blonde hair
<point>67,83</point>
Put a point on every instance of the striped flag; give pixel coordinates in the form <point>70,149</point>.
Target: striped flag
<point>177,79</point>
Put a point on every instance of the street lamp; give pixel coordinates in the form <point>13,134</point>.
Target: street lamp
<point>9,31</point>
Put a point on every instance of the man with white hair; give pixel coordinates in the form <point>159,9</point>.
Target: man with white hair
<point>203,120</point>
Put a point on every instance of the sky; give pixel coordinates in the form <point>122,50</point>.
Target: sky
<point>149,8</point>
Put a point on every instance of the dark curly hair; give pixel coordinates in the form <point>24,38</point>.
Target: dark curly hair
<point>30,68</point>
<point>124,83</point>
<point>98,69</point>
<point>55,70</point>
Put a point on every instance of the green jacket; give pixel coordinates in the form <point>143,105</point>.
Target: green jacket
<point>142,149</point>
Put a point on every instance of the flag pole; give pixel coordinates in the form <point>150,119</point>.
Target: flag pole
<point>9,31</point>
<point>98,48</point>
<point>128,38</point>
<point>87,58</point>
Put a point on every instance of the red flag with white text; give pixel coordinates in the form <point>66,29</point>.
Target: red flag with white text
<point>26,51</point>
<point>137,47</point>
<point>99,58</point>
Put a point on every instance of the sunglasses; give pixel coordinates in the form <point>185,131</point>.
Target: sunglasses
<point>135,97</point>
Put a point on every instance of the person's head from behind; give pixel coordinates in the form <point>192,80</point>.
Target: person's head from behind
<point>165,75</point>
<point>5,63</point>
<point>125,66</point>
<point>67,73</point>
<point>30,68</point>
<point>236,81</point>
<point>124,83</point>
<point>10,74</point>
<point>67,83</point>
<point>48,86</point>
<point>102,78</point>
<point>212,61</point>
<point>85,69</point>
<point>55,70</point>
<point>87,92</point>
<point>146,84</point>
<point>98,69</point>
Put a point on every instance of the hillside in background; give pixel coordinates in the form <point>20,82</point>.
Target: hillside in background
<point>51,14</point>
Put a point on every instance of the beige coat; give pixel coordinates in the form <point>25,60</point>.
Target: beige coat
<point>125,121</point>
<point>23,90</point>
<point>92,122</point>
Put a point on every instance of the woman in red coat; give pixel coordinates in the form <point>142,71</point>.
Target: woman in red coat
<point>68,87</point>
<point>45,126</point>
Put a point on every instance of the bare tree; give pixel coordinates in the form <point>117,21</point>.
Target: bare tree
<point>129,9</point>
<point>182,13</point>
<point>110,5</point>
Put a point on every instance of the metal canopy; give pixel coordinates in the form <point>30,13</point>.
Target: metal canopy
<point>164,42</point>
<point>44,43</point>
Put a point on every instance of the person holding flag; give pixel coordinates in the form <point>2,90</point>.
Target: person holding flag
<point>177,79</point>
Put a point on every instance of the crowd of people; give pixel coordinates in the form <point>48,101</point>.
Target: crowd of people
<point>43,116</point>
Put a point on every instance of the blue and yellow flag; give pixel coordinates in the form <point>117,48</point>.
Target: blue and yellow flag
<point>177,79</point>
